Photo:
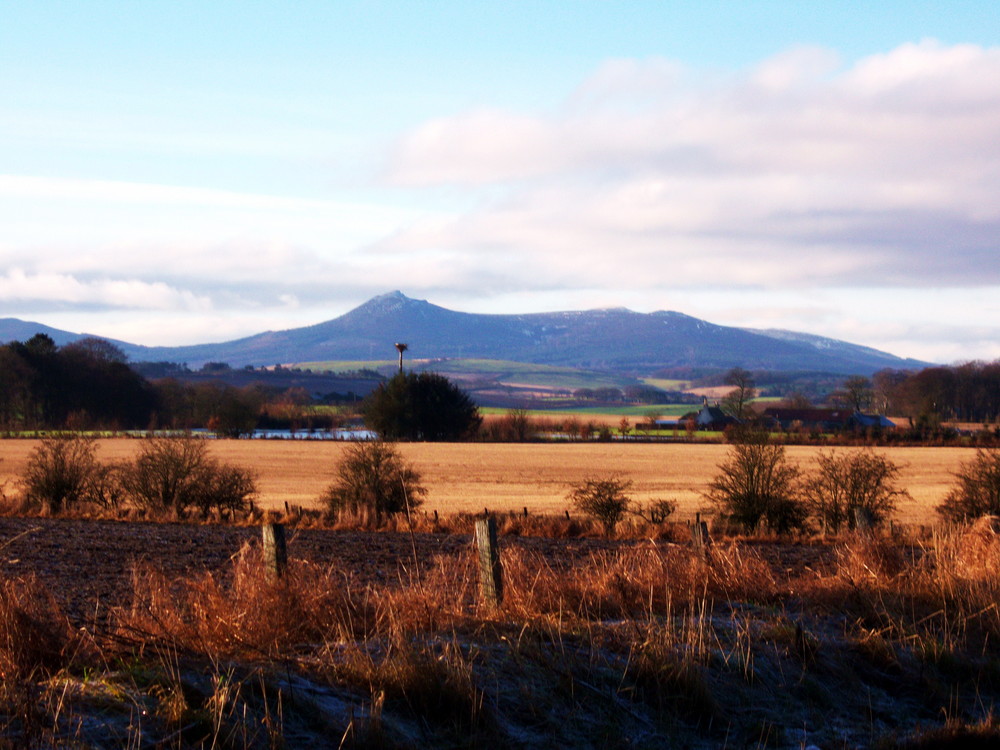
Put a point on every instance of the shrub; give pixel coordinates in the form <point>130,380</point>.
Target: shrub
<point>177,474</point>
<point>63,472</point>
<point>604,499</point>
<point>977,492</point>
<point>756,483</point>
<point>844,482</point>
<point>424,406</point>
<point>656,511</point>
<point>373,477</point>
<point>225,487</point>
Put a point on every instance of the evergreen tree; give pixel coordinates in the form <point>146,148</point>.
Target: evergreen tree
<point>424,406</point>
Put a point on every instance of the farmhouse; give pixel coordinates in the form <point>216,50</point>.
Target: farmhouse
<point>707,418</point>
<point>826,420</point>
<point>713,418</point>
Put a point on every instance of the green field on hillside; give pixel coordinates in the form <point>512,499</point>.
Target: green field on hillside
<point>501,371</point>
<point>664,411</point>
<point>336,365</point>
<point>666,384</point>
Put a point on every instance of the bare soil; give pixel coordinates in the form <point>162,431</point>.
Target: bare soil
<point>87,565</point>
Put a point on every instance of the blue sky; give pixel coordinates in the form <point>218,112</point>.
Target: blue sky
<point>181,172</point>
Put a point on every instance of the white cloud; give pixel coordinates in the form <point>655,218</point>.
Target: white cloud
<point>794,173</point>
<point>16,286</point>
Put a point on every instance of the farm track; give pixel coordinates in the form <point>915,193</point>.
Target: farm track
<point>87,565</point>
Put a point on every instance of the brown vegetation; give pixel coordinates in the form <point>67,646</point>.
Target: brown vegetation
<point>648,644</point>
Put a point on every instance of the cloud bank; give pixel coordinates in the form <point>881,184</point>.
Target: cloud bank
<point>798,172</point>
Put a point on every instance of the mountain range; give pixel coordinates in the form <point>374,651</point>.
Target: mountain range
<point>613,340</point>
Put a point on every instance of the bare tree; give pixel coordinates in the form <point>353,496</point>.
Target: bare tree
<point>757,483</point>
<point>797,400</point>
<point>736,403</point>
<point>846,481</point>
<point>858,392</point>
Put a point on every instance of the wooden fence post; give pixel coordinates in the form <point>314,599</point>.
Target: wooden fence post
<point>699,535</point>
<point>275,553</point>
<point>490,570</point>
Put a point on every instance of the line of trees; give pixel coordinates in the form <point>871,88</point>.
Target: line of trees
<point>634,394</point>
<point>84,384</point>
<point>967,393</point>
<point>89,384</point>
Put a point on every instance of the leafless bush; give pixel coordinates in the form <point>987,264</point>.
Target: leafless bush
<point>756,483</point>
<point>978,489</point>
<point>178,474</point>
<point>604,498</point>
<point>63,472</point>
<point>656,511</point>
<point>373,476</point>
<point>847,481</point>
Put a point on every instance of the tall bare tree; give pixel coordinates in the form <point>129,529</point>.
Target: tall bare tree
<point>858,392</point>
<point>736,403</point>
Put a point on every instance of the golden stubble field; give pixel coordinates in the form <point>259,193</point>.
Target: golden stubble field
<point>468,477</point>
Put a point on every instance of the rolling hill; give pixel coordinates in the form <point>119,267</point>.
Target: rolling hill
<point>611,340</point>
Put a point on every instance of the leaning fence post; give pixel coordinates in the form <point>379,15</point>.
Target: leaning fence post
<point>275,553</point>
<point>490,570</point>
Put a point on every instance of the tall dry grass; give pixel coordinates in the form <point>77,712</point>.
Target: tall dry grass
<point>244,613</point>
<point>655,629</point>
<point>37,642</point>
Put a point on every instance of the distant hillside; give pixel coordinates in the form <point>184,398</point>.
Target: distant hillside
<point>613,340</point>
<point>12,329</point>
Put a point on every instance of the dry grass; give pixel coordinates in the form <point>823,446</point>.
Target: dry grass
<point>35,638</point>
<point>650,645</point>
<point>467,477</point>
<point>247,615</point>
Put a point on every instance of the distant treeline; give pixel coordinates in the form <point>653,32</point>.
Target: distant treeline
<point>89,384</point>
<point>965,393</point>
<point>84,384</point>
